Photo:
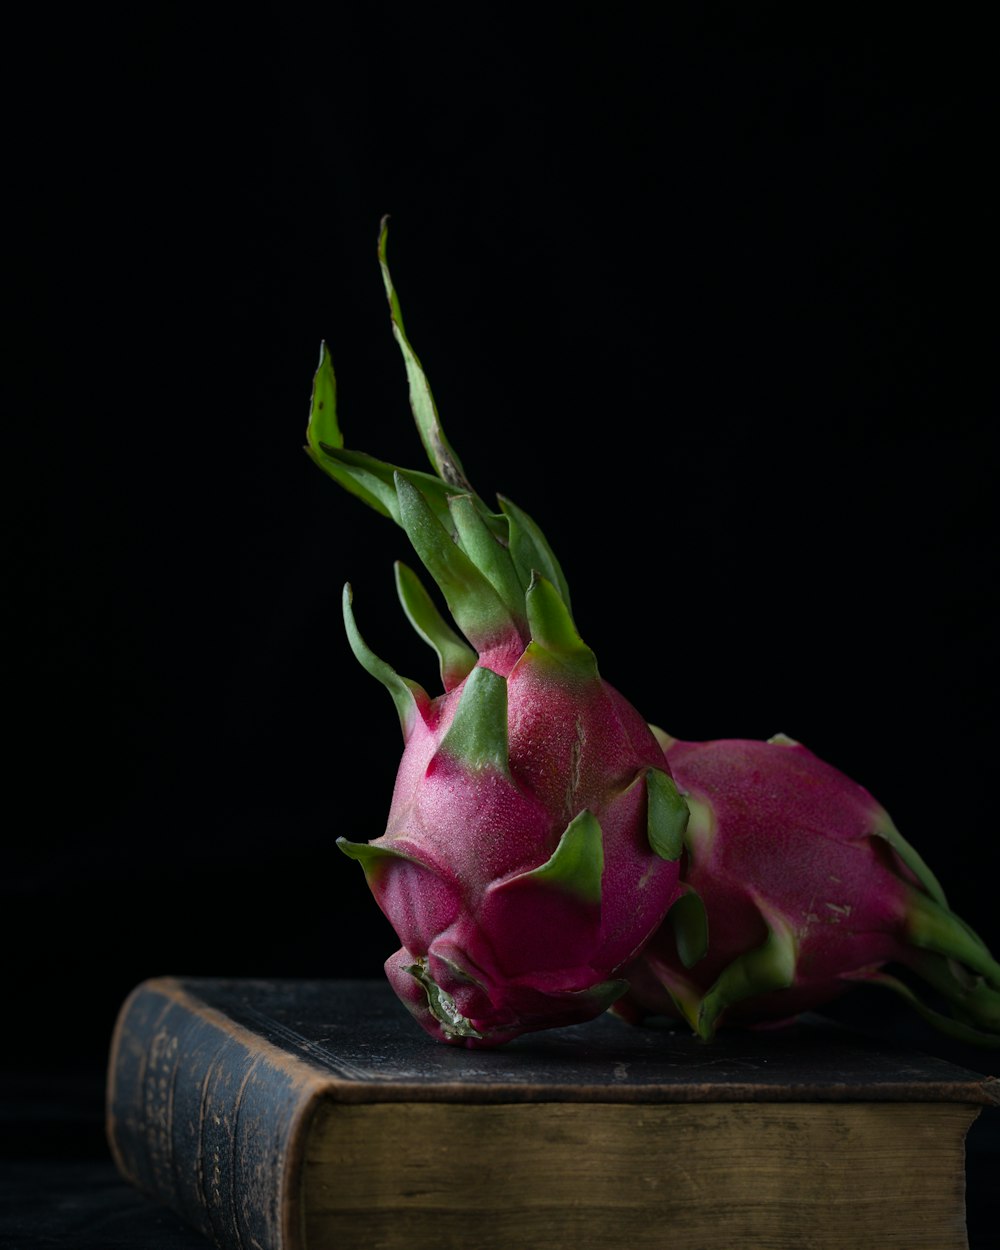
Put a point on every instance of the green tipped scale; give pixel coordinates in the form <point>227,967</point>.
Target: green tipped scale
<point>577,863</point>
<point>667,815</point>
<point>478,734</point>
<point>553,634</point>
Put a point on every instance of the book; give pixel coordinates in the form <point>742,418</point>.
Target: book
<point>316,1115</point>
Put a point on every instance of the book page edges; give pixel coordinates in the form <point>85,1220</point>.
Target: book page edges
<point>563,1174</point>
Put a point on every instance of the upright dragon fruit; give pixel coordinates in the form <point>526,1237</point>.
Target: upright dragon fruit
<point>534,833</point>
<point>797,885</point>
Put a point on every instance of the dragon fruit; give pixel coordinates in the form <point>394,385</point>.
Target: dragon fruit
<point>534,834</point>
<point>796,886</point>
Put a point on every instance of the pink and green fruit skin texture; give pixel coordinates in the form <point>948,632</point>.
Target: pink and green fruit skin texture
<point>797,886</point>
<point>534,835</point>
<point>520,890</point>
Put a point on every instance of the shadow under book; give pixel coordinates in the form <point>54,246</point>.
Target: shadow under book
<point>313,1115</point>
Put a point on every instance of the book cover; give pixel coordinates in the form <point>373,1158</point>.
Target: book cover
<point>292,1115</point>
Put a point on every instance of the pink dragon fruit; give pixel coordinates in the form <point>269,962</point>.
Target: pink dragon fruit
<point>798,885</point>
<point>534,835</point>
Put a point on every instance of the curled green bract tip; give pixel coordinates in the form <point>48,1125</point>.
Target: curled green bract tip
<point>455,659</point>
<point>439,451</point>
<point>406,695</point>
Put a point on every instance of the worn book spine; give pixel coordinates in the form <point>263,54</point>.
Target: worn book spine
<point>208,1119</point>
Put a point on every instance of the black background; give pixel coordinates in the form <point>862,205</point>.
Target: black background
<point>705,292</point>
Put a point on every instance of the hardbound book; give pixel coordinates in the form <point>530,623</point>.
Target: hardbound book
<point>316,1115</point>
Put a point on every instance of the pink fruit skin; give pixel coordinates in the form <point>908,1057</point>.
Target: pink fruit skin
<point>774,825</point>
<point>517,954</point>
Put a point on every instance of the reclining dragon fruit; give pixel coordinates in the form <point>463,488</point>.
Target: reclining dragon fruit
<point>534,833</point>
<point>796,886</point>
